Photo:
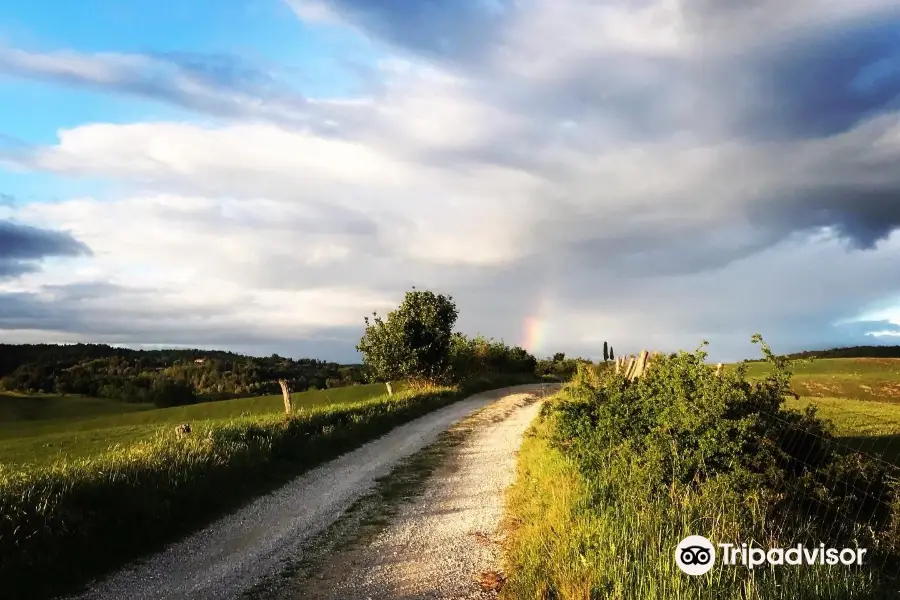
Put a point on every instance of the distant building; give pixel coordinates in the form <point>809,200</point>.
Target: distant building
<point>200,361</point>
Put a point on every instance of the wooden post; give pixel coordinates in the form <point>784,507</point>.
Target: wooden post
<point>286,392</point>
<point>390,389</point>
<point>629,370</point>
<point>641,364</point>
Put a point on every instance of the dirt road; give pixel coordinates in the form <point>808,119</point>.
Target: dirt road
<point>255,543</point>
<point>442,543</point>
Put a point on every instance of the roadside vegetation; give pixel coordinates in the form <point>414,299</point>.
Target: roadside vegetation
<point>123,485</point>
<point>616,473</point>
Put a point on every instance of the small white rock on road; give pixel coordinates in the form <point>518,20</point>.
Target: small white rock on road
<point>223,560</point>
<point>446,542</point>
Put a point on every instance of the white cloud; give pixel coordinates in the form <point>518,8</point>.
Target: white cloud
<point>314,11</point>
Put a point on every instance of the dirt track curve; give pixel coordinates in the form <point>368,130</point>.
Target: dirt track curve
<point>433,544</point>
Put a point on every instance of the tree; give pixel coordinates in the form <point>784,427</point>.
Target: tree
<point>612,355</point>
<point>413,341</point>
<point>605,352</point>
<point>166,391</point>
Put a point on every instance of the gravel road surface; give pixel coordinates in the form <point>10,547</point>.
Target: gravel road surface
<point>443,544</point>
<point>230,556</point>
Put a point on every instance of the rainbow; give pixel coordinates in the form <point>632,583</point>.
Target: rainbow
<point>532,333</point>
<point>535,325</point>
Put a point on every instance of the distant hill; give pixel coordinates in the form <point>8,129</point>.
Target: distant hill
<point>849,352</point>
<point>166,377</point>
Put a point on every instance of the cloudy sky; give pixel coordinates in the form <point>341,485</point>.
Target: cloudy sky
<point>259,175</point>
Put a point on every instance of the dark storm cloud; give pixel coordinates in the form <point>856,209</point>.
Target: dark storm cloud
<point>819,84</point>
<point>22,245</point>
<point>23,310</point>
<point>447,31</point>
<point>863,215</point>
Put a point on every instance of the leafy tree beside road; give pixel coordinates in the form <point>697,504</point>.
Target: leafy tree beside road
<point>413,341</point>
<point>416,342</point>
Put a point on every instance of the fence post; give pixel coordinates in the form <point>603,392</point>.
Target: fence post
<point>629,370</point>
<point>641,364</point>
<point>286,392</point>
<point>390,388</point>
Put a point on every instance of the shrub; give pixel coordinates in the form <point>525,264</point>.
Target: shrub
<point>682,451</point>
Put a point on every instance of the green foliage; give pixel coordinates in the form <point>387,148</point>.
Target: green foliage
<point>165,391</point>
<point>682,451</point>
<point>559,367</point>
<point>129,375</point>
<point>605,352</point>
<point>413,342</point>
<point>483,357</point>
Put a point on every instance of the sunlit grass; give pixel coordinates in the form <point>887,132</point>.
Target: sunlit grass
<point>858,378</point>
<point>54,438</point>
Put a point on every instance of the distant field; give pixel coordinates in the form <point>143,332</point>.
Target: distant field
<point>861,396</point>
<point>858,378</point>
<point>42,429</point>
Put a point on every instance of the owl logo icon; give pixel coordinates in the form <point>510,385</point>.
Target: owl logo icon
<point>695,555</point>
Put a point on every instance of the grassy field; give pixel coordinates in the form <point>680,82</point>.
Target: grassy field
<point>64,521</point>
<point>860,396</point>
<point>44,429</point>
<point>857,378</point>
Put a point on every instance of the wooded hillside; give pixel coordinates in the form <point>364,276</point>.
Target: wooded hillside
<point>165,377</point>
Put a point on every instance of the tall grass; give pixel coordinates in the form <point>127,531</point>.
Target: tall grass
<point>579,537</point>
<point>615,474</point>
<point>65,523</point>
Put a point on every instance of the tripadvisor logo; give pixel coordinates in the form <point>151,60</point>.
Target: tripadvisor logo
<point>696,555</point>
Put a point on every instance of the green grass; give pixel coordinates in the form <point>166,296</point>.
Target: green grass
<point>860,396</point>
<point>864,425</point>
<point>859,378</point>
<point>65,428</point>
<point>17,408</point>
<point>67,522</point>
